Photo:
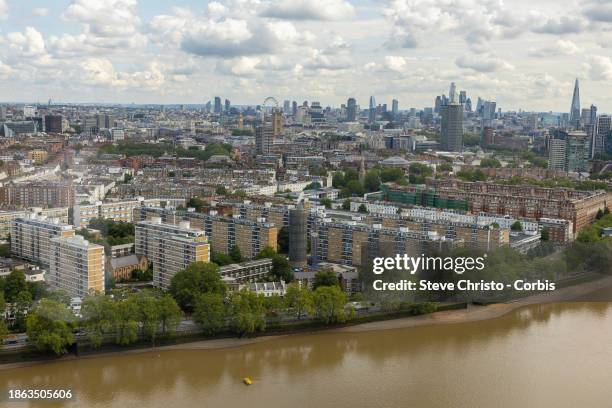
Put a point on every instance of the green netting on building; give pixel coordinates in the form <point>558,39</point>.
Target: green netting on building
<point>425,197</point>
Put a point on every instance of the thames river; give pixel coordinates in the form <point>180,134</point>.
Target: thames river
<point>556,355</point>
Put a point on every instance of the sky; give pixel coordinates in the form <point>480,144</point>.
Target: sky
<point>524,54</point>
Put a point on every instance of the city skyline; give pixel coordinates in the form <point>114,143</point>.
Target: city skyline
<point>523,56</point>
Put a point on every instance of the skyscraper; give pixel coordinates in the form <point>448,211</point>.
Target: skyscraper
<point>575,108</point>
<point>294,108</point>
<point>395,108</point>
<point>227,105</point>
<point>217,104</point>
<point>462,97</point>
<point>286,107</point>
<point>264,138</point>
<point>372,112</point>
<point>604,125</point>
<point>452,123</point>
<point>351,110</point>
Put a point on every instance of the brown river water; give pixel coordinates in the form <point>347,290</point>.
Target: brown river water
<point>555,355</point>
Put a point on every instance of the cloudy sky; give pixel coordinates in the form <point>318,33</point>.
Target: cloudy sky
<point>523,53</point>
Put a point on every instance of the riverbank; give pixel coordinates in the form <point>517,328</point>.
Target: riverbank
<point>472,313</point>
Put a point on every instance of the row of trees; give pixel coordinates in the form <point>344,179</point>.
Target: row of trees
<point>120,319</point>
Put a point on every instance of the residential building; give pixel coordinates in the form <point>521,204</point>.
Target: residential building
<point>170,248</point>
<point>76,266</point>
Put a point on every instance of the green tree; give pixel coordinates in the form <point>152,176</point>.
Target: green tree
<point>346,205</point>
<point>444,167</point>
<point>325,277</point>
<point>490,162</point>
<point>148,315</point>
<point>315,185</point>
<point>338,180</point>
<point>197,203</point>
<point>300,299</point>
<point>545,234</point>
<point>330,302</point>
<point>98,318</point>
<point>363,209</point>
<point>516,226</point>
<point>281,268</point>
<point>126,321</point>
<point>220,258</point>
<point>326,202</point>
<point>247,313</point>
<point>267,252</point>
<point>21,306</point>
<point>15,283</point>
<point>235,254</point>
<point>210,313</point>
<point>3,327</point>
<point>197,278</point>
<point>169,314</point>
<point>221,190</point>
<point>372,181</point>
<point>50,326</point>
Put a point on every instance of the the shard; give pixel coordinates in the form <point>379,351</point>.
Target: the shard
<point>575,109</point>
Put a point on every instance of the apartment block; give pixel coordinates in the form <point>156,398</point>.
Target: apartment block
<point>38,195</point>
<point>118,210</point>
<point>223,232</point>
<point>31,237</point>
<point>579,207</point>
<point>249,271</point>
<point>170,247</point>
<point>76,266</point>
<point>351,243</point>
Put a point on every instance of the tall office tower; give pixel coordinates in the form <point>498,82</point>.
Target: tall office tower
<point>277,122</point>
<point>76,266</point>
<point>297,237</point>
<point>207,107</point>
<point>264,138</point>
<point>2,112</point>
<point>372,112</point>
<point>479,103</point>
<point>105,121</point>
<point>228,105</point>
<point>488,112</point>
<point>468,105</point>
<point>462,97</point>
<point>31,237</point>
<point>452,124</point>
<point>604,126</point>
<point>395,108</point>
<point>590,127</point>
<point>351,110</point>
<point>170,248</point>
<point>217,105</point>
<point>575,108</point>
<point>294,108</point>
<point>53,123</point>
<point>286,107</point>
<point>438,104</point>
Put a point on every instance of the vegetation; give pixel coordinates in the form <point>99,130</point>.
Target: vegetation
<point>330,304</point>
<point>158,149</point>
<point>198,278</point>
<point>516,226</point>
<point>113,232</point>
<point>50,326</point>
<point>325,277</point>
<point>471,175</point>
<point>490,162</point>
<point>418,173</point>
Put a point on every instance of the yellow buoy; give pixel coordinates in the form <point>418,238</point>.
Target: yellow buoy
<point>247,380</point>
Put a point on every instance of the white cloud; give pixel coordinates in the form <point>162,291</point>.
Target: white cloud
<point>309,9</point>
<point>40,12</point>
<point>3,9</point>
<point>483,63</point>
<point>599,68</point>
<point>561,47</point>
